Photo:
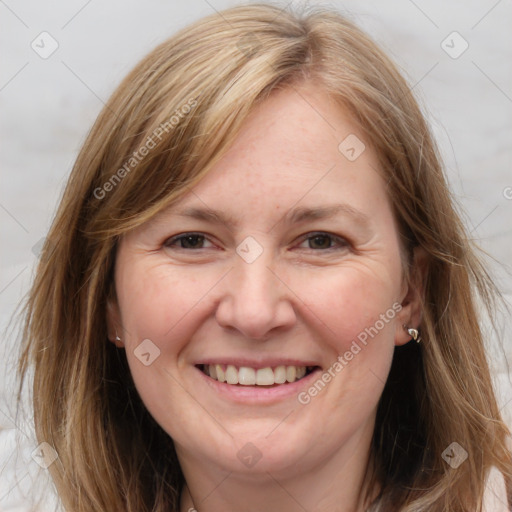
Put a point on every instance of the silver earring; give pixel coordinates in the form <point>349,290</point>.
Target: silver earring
<point>414,334</point>
<point>117,337</point>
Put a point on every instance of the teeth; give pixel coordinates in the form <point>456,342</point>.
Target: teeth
<point>265,377</point>
<point>280,375</point>
<point>220,374</point>
<point>231,375</point>
<point>246,376</point>
<point>301,372</point>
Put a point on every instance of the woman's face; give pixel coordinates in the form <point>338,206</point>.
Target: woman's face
<point>283,260</point>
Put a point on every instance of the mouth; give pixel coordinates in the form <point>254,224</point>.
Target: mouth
<point>268,377</point>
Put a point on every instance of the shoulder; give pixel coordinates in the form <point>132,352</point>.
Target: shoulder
<point>495,495</point>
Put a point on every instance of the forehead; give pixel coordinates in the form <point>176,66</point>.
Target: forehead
<point>298,147</point>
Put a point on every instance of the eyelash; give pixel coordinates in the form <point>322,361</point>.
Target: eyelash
<point>343,244</point>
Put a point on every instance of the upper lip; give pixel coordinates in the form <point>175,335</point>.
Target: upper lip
<point>257,363</point>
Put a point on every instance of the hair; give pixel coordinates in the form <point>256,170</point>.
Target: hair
<point>185,103</point>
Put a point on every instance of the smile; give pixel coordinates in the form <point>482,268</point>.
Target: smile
<point>247,376</point>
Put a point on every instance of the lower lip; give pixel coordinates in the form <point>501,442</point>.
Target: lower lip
<point>258,394</point>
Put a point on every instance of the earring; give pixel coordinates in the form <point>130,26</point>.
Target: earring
<point>414,334</point>
<point>117,337</point>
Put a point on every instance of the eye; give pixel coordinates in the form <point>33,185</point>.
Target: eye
<point>188,241</point>
<point>323,241</point>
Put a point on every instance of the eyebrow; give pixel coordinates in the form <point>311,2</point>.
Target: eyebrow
<point>303,214</point>
<point>293,216</point>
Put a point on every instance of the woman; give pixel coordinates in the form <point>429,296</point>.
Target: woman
<point>257,294</point>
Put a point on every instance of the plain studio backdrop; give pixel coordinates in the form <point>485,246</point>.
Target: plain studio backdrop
<point>62,59</point>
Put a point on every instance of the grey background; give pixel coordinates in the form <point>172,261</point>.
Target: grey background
<point>48,105</point>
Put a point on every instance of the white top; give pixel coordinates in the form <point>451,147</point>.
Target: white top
<point>495,496</point>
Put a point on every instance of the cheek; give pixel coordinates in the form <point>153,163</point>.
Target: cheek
<point>351,302</point>
<point>356,309</point>
<point>165,306</point>
<point>159,303</point>
<point>359,314</point>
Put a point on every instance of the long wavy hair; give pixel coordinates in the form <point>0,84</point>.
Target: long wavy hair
<point>190,96</point>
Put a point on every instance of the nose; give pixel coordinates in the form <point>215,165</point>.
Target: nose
<point>255,301</point>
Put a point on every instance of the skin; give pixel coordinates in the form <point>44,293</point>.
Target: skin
<point>303,298</point>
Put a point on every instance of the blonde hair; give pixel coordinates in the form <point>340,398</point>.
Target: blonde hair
<point>112,455</point>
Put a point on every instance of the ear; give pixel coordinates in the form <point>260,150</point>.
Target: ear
<point>413,293</point>
<point>114,329</point>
